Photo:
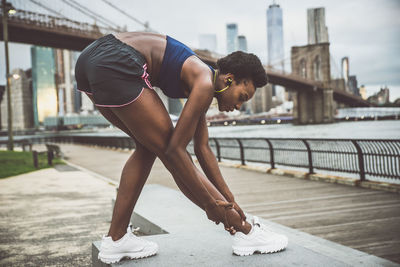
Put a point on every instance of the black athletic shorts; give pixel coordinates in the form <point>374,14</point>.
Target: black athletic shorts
<point>113,72</point>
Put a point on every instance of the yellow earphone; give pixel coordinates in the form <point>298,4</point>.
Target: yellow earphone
<point>229,83</point>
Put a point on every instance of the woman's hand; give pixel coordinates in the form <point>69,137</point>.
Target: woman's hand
<point>240,211</point>
<point>217,212</point>
<point>229,196</point>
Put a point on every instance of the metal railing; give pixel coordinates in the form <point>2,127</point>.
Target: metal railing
<point>380,158</point>
<point>377,158</point>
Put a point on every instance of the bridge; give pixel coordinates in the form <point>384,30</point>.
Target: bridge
<point>313,100</point>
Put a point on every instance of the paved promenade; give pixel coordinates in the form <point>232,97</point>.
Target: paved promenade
<point>359,218</point>
<point>50,217</point>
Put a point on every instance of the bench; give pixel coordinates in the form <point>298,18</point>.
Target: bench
<point>54,149</point>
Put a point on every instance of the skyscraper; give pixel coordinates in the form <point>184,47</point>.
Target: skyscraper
<point>242,43</point>
<point>21,97</point>
<point>231,37</point>
<point>77,95</point>
<point>275,36</point>
<point>43,83</point>
<point>317,30</point>
<point>352,84</point>
<point>345,71</point>
<point>275,40</point>
<point>67,93</point>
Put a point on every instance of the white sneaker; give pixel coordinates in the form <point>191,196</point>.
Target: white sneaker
<point>258,239</point>
<point>129,246</point>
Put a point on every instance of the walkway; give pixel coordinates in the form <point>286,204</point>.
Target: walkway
<point>364,219</point>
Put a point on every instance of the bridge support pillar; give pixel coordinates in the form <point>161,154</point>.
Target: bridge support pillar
<point>311,107</point>
<point>328,106</point>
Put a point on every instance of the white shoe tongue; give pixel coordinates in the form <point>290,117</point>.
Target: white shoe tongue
<point>129,229</point>
<point>256,220</point>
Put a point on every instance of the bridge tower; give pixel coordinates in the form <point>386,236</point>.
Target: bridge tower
<point>312,62</point>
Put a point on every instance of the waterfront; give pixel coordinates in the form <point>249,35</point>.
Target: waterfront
<point>387,129</point>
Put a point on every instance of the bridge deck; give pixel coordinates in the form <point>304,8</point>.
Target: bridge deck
<point>360,218</point>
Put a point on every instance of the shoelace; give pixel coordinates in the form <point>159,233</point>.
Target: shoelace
<point>133,230</point>
<point>256,220</point>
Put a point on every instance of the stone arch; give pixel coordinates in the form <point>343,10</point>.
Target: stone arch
<point>317,68</point>
<point>303,68</point>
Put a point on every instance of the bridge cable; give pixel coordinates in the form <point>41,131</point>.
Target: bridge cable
<point>94,13</point>
<point>144,24</point>
<point>48,9</point>
<point>338,71</point>
<point>88,14</point>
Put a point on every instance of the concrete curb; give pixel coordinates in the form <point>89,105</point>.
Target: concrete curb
<point>96,175</point>
<point>394,188</point>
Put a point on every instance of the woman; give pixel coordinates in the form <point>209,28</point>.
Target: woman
<point>117,73</point>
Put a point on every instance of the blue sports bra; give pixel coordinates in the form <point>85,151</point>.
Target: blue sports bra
<point>169,77</point>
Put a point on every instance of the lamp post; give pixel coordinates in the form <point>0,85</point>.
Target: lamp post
<point>7,8</point>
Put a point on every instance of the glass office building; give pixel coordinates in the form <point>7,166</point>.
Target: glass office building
<point>275,40</point>
<point>242,43</point>
<point>43,83</point>
<point>231,37</point>
<point>275,37</point>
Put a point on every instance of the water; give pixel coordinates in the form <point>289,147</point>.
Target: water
<point>388,129</point>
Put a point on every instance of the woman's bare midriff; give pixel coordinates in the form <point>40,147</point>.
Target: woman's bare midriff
<point>151,46</point>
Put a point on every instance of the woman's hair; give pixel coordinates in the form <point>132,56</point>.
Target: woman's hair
<point>244,66</point>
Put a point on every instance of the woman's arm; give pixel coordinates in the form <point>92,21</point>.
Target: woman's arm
<point>198,102</point>
<point>207,159</point>
<point>209,164</point>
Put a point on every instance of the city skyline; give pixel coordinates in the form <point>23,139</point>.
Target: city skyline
<point>364,31</point>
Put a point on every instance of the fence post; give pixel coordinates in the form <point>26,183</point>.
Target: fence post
<point>50,157</point>
<point>218,150</point>
<point>241,152</point>
<point>271,154</point>
<point>35,159</point>
<point>310,163</point>
<point>360,160</point>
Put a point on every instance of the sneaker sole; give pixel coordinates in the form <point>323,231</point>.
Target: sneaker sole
<point>114,258</point>
<point>247,251</point>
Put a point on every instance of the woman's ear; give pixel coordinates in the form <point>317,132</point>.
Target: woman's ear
<point>229,78</point>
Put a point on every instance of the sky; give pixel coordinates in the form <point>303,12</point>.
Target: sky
<point>366,31</point>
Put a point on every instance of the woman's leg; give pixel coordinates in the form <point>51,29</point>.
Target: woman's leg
<point>149,122</point>
<point>133,177</point>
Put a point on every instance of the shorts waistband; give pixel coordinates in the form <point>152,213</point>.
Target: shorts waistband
<point>111,38</point>
<point>106,38</point>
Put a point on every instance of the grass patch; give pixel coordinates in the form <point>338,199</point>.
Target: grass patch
<point>15,162</point>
